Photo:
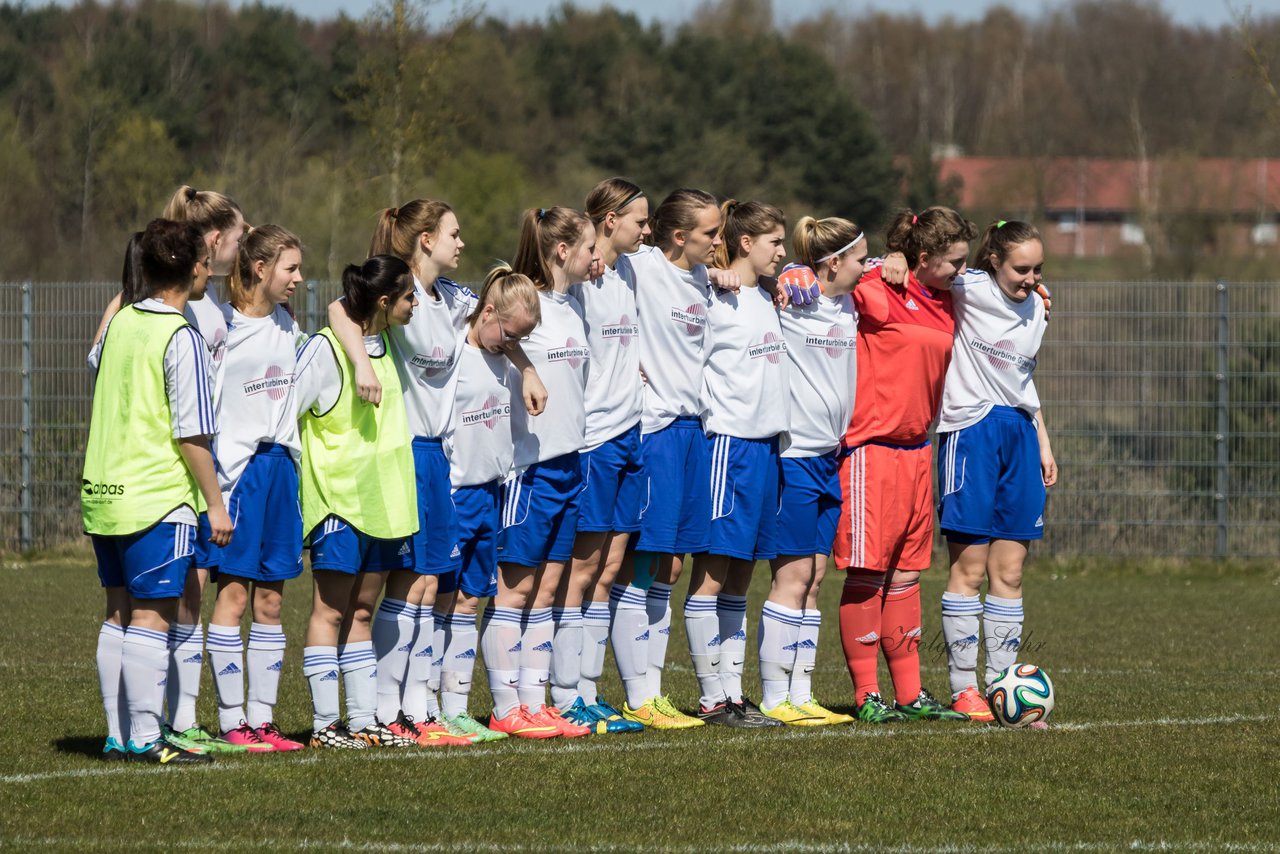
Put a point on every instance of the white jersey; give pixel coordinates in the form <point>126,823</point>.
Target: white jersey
<point>996,343</point>
<point>745,388</point>
<point>188,383</point>
<point>479,446</point>
<point>558,350</point>
<point>673,318</point>
<point>207,317</point>
<point>318,378</point>
<point>427,351</point>
<point>255,391</point>
<point>822,349</point>
<point>615,394</point>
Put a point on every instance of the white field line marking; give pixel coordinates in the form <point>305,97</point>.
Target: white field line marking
<point>1140,845</point>
<point>622,744</point>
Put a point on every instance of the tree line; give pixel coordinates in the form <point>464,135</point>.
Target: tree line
<point>318,124</point>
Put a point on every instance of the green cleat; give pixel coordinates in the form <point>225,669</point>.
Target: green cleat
<point>874,710</point>
<point>465,726</point>
<point>926,708</point>
<point>200,740</point>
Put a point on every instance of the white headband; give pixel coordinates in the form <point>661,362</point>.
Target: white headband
<point>843,249</point>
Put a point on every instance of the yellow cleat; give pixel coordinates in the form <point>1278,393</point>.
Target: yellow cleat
<point>830,717</point>
<point>792,715</point>
<point>659,713</point>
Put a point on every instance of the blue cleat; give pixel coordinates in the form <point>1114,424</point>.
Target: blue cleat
<point>612,718</point>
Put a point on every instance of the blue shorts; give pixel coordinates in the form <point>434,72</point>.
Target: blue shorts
<point>479,521</point>
<point>612,481</point>
<point>206,553</point>
<point>152,564</point>
<point>990,480</point>
<point>435,546</point>
<point>540,512</point>
<point>675,508</point>
<point>266,543</point>
<point>810,508</point>
<point>337,546</point>
<point>745,476</point>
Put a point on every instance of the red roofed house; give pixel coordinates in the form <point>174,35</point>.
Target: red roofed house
<point>1095,207</point>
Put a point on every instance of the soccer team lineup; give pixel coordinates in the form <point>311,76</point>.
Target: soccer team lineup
<point>503,484</point>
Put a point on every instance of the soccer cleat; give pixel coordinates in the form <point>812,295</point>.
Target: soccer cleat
<point>205,740</point>
<point>566,727</point>
<point>874,710</point>
<point>465,726</point>
<point>583,715</point>
<point>725,714</point>
<point>378,734</point>
<point>614,721</point>
<point>113,751</point>
<point>161,752</point>
<point>522,724</point>
<point>271,734</point>
<point>181,740</point>
<point>661,713</point>
<point>337,735</point>
<point>248,737</point>
<point>813,707</point>
<point>926,708</point>
<point>425,735</point>
<point>755,715</point>
<point>792,715</point>
<point>972,705</point>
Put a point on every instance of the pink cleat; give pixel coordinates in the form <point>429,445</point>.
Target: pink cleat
<point>269,733</point>
<point>247,737</point>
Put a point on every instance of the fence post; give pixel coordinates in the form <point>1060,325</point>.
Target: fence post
<point>1224,423</point>
<point>25,539</point>
<point>311,307</point>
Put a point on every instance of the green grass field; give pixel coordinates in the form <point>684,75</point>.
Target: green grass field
<point>1166,737</point>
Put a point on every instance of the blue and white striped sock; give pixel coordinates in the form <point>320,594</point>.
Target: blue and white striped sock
<point>779,637</point>
<point>110,642</point>
<point>264,658</point>
<point>595,640</point>
<point>537,631</point>
<point>320,666</point>
<point>144,662</point>
<point>801,690</point>
<point>1002,620</point>
<point>501,644</point>
<point>393,626</point>
<point>658,605</point>
<point>359,668</point>
<point>186,643</point>
<point>731,613</point>
<point>961,631</point>
<point>630,636</point>
<point>226,659</point>
<point>566,656</point>
<point>703,629</point>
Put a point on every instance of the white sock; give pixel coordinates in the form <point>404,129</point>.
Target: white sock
<point>359,668</point>
<point>658,605</point>
<point>320,666</point>
<point>437,662</point>
<point>414,694</point>
<point>566,656</point>
<point>500,642</point>
<point>779,638</point>
<point>460,638</point>
<point>144,661</point>
<point>801,690</point>
<point>702,627</point>
<point>731,612</point>
<point>961,630</point>
<point>226,659</point>
<point>1002,621</point>
<point>393,626</point>
<point>265,660</point>
<point>110,641</point>
<point>536,644</point>
<point>595,639</point>
<point>186,659</point>
<point>630,636</point>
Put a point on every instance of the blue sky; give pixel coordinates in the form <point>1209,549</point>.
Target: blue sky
<point>1211,13</point>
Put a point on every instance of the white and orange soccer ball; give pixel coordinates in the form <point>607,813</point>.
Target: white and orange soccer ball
<point>1020,696</point>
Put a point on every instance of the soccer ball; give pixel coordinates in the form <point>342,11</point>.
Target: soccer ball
<point>1020,695</point>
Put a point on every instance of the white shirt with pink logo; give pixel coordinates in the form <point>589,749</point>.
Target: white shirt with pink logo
<point>994,355</point>
<point>426,352</point>
<point>673,318</point>
<point>615,394</point>
<point>745,385</point>
<point>558,349</point>
<point>479,446</point>
<point>208,316</point>
<point>822,350</point>
<point>254,391</point>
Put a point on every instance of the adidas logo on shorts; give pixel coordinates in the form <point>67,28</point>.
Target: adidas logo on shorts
<point>457,552</point>
<point>230,670</point>
<point>545,646</point>
<point>195,659</point>
<point>404,550</point>
<point>277,667</point>
<point>1040,521</point>
<point>469,654</point>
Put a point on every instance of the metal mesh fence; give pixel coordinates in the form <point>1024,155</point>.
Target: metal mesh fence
<point>1162,399</point>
